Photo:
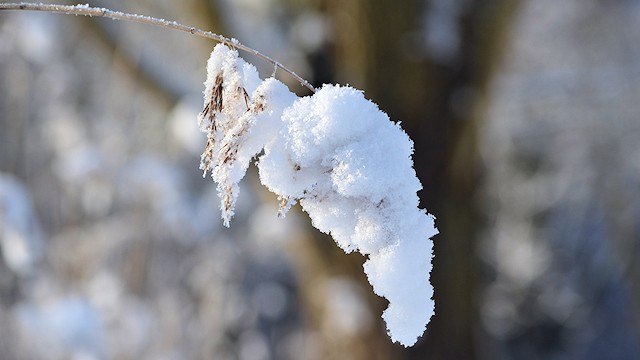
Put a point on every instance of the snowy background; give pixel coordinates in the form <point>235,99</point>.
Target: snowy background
<point>526,122</point>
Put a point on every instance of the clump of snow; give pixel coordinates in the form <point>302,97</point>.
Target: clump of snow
<point>342,159</point>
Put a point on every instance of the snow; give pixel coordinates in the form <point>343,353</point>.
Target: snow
<point>342,159</point>
<point>21,239</point>
<point>348,312</point>
<point>60,324</point>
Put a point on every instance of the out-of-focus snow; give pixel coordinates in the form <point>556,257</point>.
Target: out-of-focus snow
<point>342,158</point>
<point>183,129</point>
<point>441,29</point>
<point>62,326</point>
<point>349,313</point>
<point>20,234</point>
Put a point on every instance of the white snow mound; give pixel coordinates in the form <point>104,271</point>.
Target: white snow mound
<point>342,159</point>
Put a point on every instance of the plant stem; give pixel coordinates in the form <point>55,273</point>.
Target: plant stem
<point>86,10</point>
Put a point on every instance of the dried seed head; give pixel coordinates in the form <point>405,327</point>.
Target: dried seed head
<point>207,156</point>
<point>212,106</point>
<point>227,196</point>
<point>259,104</point>
<point>227,119</point>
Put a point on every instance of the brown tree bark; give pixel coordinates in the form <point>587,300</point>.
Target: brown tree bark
<point>440,106</point>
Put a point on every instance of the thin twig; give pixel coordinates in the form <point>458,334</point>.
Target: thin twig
<point>86,10</point>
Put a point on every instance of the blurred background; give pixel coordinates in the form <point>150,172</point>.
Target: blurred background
<point>526,122</point>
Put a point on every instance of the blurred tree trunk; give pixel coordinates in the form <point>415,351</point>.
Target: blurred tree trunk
<point>377,49</point>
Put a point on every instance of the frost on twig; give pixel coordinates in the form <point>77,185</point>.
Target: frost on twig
<point>86,10</point>
<point>342,159</point>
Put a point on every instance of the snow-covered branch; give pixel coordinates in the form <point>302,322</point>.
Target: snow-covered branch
<point>342,159</point>
<point>334,152</point>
